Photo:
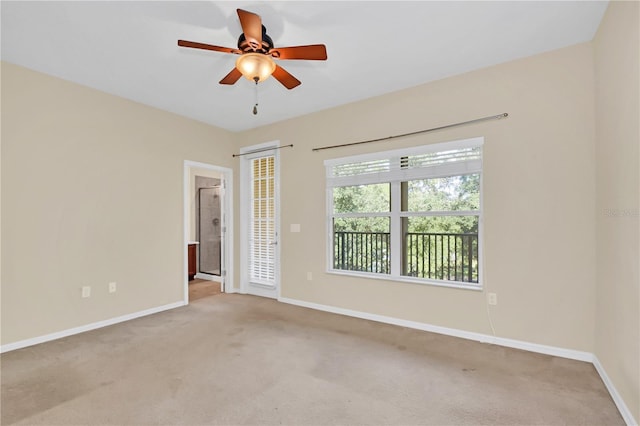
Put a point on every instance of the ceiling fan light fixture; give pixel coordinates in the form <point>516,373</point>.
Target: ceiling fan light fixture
<point>255,65</point>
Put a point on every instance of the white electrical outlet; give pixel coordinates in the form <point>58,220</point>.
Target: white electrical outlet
<point>492,298</point>
<point>309,276</point>
<point>86,291</point>
<point>112,287</point>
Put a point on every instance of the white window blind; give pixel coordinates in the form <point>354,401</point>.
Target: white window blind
<point>461,157</point>
<point>362,167</point>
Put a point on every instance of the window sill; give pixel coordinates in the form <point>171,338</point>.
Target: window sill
<point>410,280</point>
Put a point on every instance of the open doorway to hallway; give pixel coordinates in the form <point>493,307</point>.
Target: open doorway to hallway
<point>207,206</point>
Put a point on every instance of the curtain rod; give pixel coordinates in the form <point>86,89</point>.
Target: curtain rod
<point>262,150</point>
<point>492,117</point>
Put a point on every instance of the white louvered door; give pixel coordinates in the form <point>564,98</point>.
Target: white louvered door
<point>261,224</point>
<point>262,235</point>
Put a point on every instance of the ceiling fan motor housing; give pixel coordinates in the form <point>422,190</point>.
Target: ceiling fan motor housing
<point>247,46</point>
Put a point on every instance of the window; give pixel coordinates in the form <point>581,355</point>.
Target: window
<point>410,215</point>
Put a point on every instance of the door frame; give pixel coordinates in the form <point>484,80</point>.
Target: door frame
<point>226,272</point>
<point>245,208</point>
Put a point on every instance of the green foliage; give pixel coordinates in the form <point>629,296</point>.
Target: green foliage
<point>362,198</point>
<point>443,224</point>
<point>361,224</point>
<point>454,193</point>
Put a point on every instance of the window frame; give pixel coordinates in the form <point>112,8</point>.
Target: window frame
<point>394,178</point>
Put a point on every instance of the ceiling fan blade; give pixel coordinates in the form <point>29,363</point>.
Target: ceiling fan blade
<point>285,78</point>
<point>251,27</point>
<point>313,52</point>
<point>196,45</point>
<point>232,77</point>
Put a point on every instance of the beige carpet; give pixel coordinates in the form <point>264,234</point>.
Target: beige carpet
<point>235,360</point>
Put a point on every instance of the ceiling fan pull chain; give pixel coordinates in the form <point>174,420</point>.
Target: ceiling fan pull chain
<point>255,107</point>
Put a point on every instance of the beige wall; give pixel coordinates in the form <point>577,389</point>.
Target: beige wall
<point>538,197</point>
<point>92,192</point>
<point>617,339</point>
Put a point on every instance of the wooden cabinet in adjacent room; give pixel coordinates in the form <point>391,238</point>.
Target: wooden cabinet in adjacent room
<point>192,261</point>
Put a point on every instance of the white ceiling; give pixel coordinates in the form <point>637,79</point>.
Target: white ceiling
<point>130,49</point>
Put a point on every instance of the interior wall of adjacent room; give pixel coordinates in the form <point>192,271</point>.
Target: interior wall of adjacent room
<point>617,341</point>
<point>92,188</point>
<point>538,197</point>
<point>193,194</point>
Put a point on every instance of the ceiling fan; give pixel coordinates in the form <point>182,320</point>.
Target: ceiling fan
<point>257,52</point>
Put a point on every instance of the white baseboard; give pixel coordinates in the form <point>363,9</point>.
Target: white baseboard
<point>76,330</point>
<point>622,407</point>
<point>208,277</point>
<point>484,338</point>
<point>543,349</point>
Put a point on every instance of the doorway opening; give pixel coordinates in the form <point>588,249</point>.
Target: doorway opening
<point>208,217</point>
<point>260,225</point>
<point>208,201</point>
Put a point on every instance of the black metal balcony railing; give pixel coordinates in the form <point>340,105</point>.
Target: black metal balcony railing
<point>440,256</point>
<point>362,251</point>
